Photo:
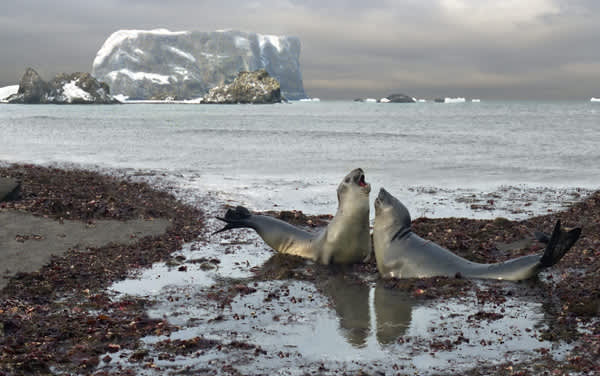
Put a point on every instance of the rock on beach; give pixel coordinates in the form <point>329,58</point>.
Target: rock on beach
<point>9,189</point>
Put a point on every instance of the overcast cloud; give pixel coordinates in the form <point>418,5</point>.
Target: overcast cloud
<point>534,49</point>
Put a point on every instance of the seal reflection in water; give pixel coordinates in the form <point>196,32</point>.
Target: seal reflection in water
<point>352,304</point>
<point>402,254</point>
<point>345,240</point>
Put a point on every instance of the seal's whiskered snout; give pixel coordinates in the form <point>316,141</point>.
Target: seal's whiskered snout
<point>382,197</point>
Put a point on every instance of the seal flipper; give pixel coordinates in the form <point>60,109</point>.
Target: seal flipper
<point>541,237</point>
<point>235,218</point>
<point>558,244</point>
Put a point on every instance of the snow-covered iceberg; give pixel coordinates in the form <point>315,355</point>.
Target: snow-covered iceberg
<point>159,64</point>
<point>454,100</point>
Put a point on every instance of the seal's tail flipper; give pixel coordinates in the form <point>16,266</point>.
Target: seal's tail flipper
<point>558,244</point>
<point>235,218</point>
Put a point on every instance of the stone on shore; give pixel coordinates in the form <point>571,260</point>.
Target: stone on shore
<point>9,189</point>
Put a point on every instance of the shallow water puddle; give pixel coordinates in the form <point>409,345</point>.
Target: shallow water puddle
<point>199,264</point>
<point>292,327</point>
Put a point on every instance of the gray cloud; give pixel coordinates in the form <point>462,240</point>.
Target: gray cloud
<point>427,48</point>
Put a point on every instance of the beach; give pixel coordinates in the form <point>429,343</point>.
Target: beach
<point>56,313</point>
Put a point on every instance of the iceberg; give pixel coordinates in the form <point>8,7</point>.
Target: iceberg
<point>159,64</point>
<point>454,100</point>
<point>595,99</point>
<point>475,100</point>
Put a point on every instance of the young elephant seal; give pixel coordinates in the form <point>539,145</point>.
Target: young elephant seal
<point>345,240</point>
<point>402,254</point>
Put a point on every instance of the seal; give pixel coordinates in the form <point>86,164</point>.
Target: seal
<point>402,254</point>
<point>345,240</point>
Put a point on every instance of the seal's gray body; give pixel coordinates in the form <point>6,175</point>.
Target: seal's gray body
<point>345,240</point>
<point>402,254</point>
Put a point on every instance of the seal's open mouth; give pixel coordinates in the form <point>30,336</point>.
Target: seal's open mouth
<point>361,181</point>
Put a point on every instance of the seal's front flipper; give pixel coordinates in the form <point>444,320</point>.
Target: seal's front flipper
<point>558,244</point>
<point>235,218</point>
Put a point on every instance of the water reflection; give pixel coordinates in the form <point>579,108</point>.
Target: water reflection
<point>351,303</point>
<point>356,302</point>
<point>393,312</point>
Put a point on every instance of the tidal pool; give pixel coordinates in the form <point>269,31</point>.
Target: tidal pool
<point>296,326</point>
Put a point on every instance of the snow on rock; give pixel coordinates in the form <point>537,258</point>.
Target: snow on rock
<point>120,37</point>
<point>63,89</point>
<point>185,55</point>
<point>140,76</point>
<point>72,92</point>
<point>7,91</point>
<point>159,64</point>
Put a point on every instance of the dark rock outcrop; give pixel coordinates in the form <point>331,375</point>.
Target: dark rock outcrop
<point>400,98</point>
<point>10,189</point>
<point>73,88</point>
<point>248,87</point>
<point>31,88</point>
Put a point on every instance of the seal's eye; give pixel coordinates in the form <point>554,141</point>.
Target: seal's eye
<point>347,180</point>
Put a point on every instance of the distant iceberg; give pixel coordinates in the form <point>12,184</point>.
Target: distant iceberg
<point>421,100</point>
<point>475,100</point>
<point>595,99</point>
<point>310,100</point>
<point>382,100</point>
<point>7,91</point>
<point>454,100</point>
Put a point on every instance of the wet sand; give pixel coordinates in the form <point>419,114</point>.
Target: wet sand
<point>27,242</point>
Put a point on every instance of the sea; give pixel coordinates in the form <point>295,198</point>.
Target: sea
<point>477,160</point>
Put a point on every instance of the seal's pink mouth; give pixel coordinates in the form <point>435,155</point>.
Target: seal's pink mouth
<point>361,181</point>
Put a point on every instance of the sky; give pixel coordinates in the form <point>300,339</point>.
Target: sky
<point>489,49</point>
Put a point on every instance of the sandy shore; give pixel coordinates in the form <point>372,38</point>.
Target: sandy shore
<point>27,242</point>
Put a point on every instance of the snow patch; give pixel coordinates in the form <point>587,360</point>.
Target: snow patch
<point>71,92</point>
<point>241,42</point>
<point>273,40</point>
<point>382,100</point>
<point>120,36</point>
<point>154,77</point>
<point>475,100</point>
<point>121,98</point>
<point>7,91</point>
<point>183,54</point>
<point>595,99</point>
